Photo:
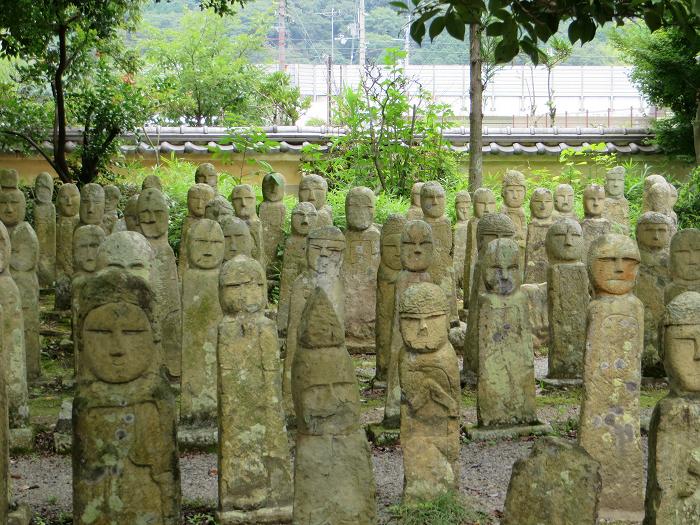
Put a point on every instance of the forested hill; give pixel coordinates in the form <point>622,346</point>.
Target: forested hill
<point>309,32</point>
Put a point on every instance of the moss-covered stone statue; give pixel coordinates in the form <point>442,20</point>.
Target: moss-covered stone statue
<point>151,181</point>
<point>125,460</point>
<point>92,204</point>
<point>111,213</point>
<point>564,203</point>
<point>272,213</point>
<point>237,239</point>
<point>45,227</point>
<point>255,482</point>
<point>685,264</point>
<point>463,211</point>
<point>217,208</point>
<point>673,476</point>
<point>314,188</point>
<point>513,193</point>
<point>594,225</point>
<point>617,209</point>
<point>131,214</point>
<point>68,207</point>
<point>430,396</point>
<point>244,202</point>
<point>333,480</point>
<point>415,211</point>
<point>541,207</point>
<point>484,203</point>
<point>609,421</point>
<point>198,196</point>
<point>360,267</point>
<point>206,174</point>
<point>127,251</point>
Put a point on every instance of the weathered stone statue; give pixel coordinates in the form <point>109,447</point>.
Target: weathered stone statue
<point>127,251</point>
<point>23,267</point>
<point>313,188</point>
<point>206,174</point>
<point>685,264</point>
<point>416,253</point>
<point>673,477</point>
<point>513,193</point>
<point>272,213</point>
<point>415,212</point>
<point>506,374</point>
<point>541,207</point>
<point>153,221</point>
<point>432,198</point>
<point>92,204</point>
<point>198,196</point>
<point>111,213</point>
<point>594,225</point>
<point>649,181</point>
<point>484,202</point>
<point>125,461</point>
<point>389,269</point>
<point>294,258</point>
<point>491,226</point>
<point>9,179</point>
<point>360,267</point>
<point>217,208</point>
<point>68,205</point>
<point>152,181</point>
<point>430,396</point>
<point>609,421</point>
<point>558,483</point>
<point>661,198</point>
<point>243,199</point>
<point>567,295</point>
<point>131,214</point>
<point>333,480</point>
<point>463,209</point>
<point>237,239</point>
<point>255,482</point>
<point>325,248</point>
<point>653,240</point>
<point>617,209</point>
<point>45,226</point>
<point>201,315</point>
<point>14,361</point>
<point>564,203</point>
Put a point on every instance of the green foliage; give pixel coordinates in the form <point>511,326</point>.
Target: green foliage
<point>447,509</point>
<point>688,205</point>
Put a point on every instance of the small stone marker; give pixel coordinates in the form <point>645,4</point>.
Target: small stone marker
<point>594,225</point>
<point>415,211</point>
<point>536,252</point>
<point>463,209</point>
<point>685,264</point>
<point>314,188</point>
<point>45,227</point>
<point>617,209</point>
<point>272,214</point>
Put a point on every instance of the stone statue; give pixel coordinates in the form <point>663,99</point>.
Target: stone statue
<point>567,295</point>
<point>432,198</point>
<point>513,194</point>
<point>685,264</point>
<point>673,477</point>
<point>360,267</point>
<point>653,240</point>
<point>609,421</point>
<point>617,209</point>
<point>325,248</point>
<point>243,199</point>
<point>131,214</point>
<point>154,216</point>
<point>23,267</point>
<point>237,239</point>
<point>416,254</point>
<point>198,196</point>
<point>68,206</point>
<point>649,181</point>
<point>9,179</point>
<point>463,208</point>
<point>125,460</point>
<point>217,208</point>
<point>201,315</point>
<point>313,188</point>
<point>430,396</point>
<point>294,258</point>
<point>111,213</point>
<point>541,207</point>
<point>389,269</point>
<point>661,198</point>
<point>206,174</point>
<point>255,482</point>
<point>127,251</point>
<point>152,181</point>
<point>92,204</point>
<point>333,479</point>
<point>415,212</point>
<point>564,203</point>
<point>506,374</point>
<point>45,226</point>
<point>558,483</point>
<point>594,225</point>
<point>272,213</point>
<point>484,202</point>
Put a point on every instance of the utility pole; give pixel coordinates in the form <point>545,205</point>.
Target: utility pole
<point>331,14</point>
<point>361,34</point>
<point>282,34</point>
<point>329,86</point>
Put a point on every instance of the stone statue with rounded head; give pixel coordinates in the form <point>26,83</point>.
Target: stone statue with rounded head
<point>272,214</point>
<point>314,188</point>
<point>541,207</point>
<point>463,210</point>
<point>484,203</point>
<point>45,227</point>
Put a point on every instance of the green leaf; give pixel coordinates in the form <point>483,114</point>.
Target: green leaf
<point>506,49</point>
<point>418,31</point>
<point>495,29</point>
<point>455,26</point>
<point>652,19</point>
<point>573,32</point>
<point>436,27</point>
<point>587,29</point>
<point>399,5</point>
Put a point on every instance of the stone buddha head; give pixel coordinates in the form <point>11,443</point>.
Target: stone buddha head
<point>273,187</point>
<point>244,201</point>
<point>242,286</point>
<point>313,188</point>
<point>127,251</point>
<point>68,200</point>
<point>198,196</point>
<point>86,243</point>
<point>484,202</point>
<point>564,241</point>
<point>615,182</point>
<point>415,194</point>
<point>513,189</point>
<point>423,318</point>
<point>131,214</point>
<point>152,181</point>
<point>564,198</point>
<point>205,245</point>
<point>154,214</point>
<point>500,266</point>
<point>493,226</point>
<point>463,205</point>
<point>304,217</point>
<point>237,238</point>
<point>594,201</point>
<point>541,203</point>
<point>112,196</point>
<point>613,264</point>
<point>661,198</point>
<point>685,255</point>
<point>217,208</point>
<point>654,231</point>
<point>43,188</point>
<point>432,200</point>
<point>359,208</point>
<point>13,207</point>
<point>681,343</point>
<point>417,246</point>
<point>325,248</point>
<point>390,241</point>
<point>206,174</point>
<point>92,204</point>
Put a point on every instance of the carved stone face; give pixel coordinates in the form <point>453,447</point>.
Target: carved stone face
<point>153,214</point>
<point>359,208</point>
<point>416,246</point>
<point>152,181</point>
<point>513,195</point>
<point>541,203</point>
<point>198,196</point>
<point>329,405</point>
<point>313,189</point>
<point>415,194</point>
<point>86,243</point>
<point>391,251</point>
<point>492,227</point>
<point>112,196</point>
<point>423,318</point>
<point>243,200</point>
<point>660,198</point>
<point>685,255</point>
<point>237,239</point>
<point>13,207</point>
<point>5,248</point>
<point>68,200</point>
<point>654,236</point>
<point>218,208</point>
<point>118,342</point>
<point>432,200</point>
<point>565,241</point>
<point>484,202</point>
<point>564,198</point>
<point>131,214</point>
<point>594,201</point>
<point>205,245</point>
<point>273,187</point>
<point>92,204</point>
<point>206,174</point>
<point>325,255</point>
<point>303,218</point>
<point>613,264</point>
<point>129,251</point>
<point>682,351</point>
<point>43,188</point>
<point>615,184</point>
<point>242,287</point>
<point>501,267</point>
<point>463,203</point>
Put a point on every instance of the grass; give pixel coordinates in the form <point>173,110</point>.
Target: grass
<point>447,509</point>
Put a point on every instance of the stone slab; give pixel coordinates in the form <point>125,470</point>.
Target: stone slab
<point>617,517</point>
<point>267,515</point>
<point>562,384</point>
<point>487,434</point>
<point>22,515</point>
<point>381,436</point>
<point>197,438</point>
<point>21,439</point>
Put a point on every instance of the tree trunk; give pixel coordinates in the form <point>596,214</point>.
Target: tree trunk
<point>59,140</point>
<point>696,129</point>
<point>476,113</point>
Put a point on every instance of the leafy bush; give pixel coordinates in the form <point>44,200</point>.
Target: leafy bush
<point>688,205</point>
